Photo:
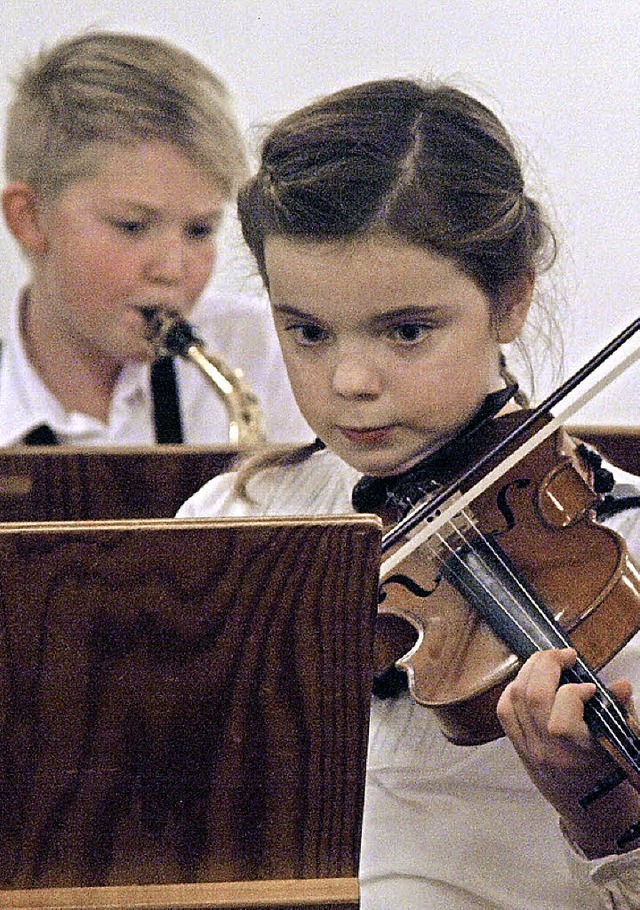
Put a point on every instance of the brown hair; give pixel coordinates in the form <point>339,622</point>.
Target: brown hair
<point>114,87</point>
<point>422,162</point>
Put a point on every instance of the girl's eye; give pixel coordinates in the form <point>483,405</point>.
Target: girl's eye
<point>409,332</point>
<point>307,334</point>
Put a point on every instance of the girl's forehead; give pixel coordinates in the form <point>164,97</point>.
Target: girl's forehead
<point>373,252</point>
<point>371,267</point>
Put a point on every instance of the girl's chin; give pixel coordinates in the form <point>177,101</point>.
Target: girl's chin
<point>380,467</point>
<point>382,457</point>
<point>386,466</point>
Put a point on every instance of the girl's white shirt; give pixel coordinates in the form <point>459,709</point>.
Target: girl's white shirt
<point>447,827</point>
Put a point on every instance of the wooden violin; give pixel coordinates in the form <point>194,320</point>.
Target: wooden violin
<point>507,558</point>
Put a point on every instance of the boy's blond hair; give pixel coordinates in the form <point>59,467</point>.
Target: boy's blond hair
<point>103,87</point>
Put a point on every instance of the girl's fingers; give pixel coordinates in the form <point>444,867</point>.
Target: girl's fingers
<point>534,707</point>
<point>545,723</point>
<point>566,718</point>
<point>622,691</point>
<point>533,690</point>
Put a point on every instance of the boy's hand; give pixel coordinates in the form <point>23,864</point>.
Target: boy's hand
<point>545,722</point>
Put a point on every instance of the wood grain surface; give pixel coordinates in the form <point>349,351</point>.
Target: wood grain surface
<point>184,701</point>
<point>57,483</point>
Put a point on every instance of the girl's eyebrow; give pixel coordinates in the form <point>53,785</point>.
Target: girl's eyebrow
<point>286,310</point>
<point>426,310</point>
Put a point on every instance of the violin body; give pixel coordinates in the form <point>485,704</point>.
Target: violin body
<point>539,516</point>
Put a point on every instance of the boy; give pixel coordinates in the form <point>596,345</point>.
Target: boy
<point>122,154</point>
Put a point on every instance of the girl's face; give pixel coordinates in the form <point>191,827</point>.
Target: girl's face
<point>390,349</point>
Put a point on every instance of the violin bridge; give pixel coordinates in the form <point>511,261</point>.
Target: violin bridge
<point>454,533</point>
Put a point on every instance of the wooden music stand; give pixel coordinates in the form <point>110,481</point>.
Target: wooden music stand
<point>620,445</point>
<point>67,483</point>
<point>184,709</point>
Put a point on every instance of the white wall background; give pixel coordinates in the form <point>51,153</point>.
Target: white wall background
<point>563,75</point>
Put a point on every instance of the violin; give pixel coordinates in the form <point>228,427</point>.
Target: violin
<point>501,555</point>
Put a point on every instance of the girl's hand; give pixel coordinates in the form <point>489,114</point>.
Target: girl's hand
<point>545,722</point>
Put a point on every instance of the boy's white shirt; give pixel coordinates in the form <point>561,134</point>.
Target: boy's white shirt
<point>447,827</point>
<point>240,330</point>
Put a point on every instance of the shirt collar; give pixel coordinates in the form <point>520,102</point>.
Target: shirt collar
<point>26,402</point>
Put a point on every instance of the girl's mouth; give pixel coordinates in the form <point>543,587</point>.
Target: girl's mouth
<point>367,436</point>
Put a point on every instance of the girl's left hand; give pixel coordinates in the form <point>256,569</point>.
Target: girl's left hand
<point>545,722</point>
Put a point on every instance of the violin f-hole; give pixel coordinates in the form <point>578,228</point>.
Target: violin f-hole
<point>408,583</point>
<point>504,508</point>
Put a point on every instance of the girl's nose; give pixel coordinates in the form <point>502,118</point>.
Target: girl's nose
<point>356,376</point>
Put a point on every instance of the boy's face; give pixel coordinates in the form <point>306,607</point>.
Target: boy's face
<point>141,231</point>
<point>390,349</point>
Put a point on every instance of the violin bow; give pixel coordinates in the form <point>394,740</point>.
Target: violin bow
<point>570,393</point>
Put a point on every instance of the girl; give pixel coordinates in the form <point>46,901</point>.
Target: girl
<point>400,250</point>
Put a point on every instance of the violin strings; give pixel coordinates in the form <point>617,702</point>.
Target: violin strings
<point>613,718</point>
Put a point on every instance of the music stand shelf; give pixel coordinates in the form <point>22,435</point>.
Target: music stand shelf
<point>66,483</point>
<point>292,894</point>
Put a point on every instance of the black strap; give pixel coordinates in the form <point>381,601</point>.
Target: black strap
<point>41,435</point>
<point>166,404</point>
<point>372,494</point>
<point>612,505</point>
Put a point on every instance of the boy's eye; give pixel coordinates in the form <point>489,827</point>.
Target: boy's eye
<point>200,231</point>
<point>130,226</point>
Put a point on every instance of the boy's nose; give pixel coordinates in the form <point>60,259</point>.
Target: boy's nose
<point>165,264</point>
<point>356,376</point>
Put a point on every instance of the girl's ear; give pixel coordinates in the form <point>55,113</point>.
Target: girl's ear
<point>21,213</point>
<point>514,308</point>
